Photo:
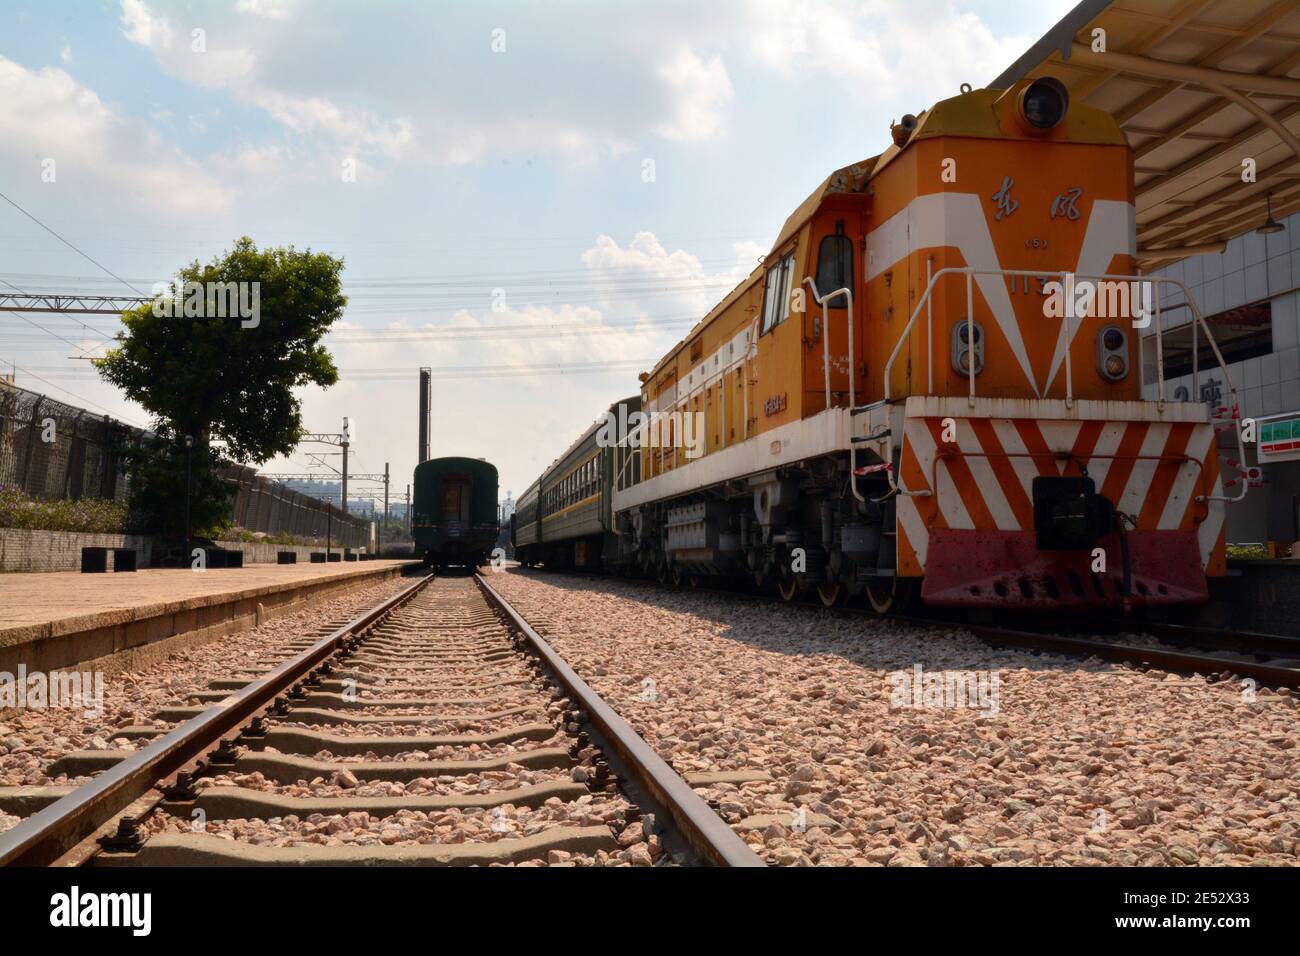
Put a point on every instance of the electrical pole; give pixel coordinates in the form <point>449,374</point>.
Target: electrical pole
<point>408,511</point>
<point>189,445</point>
<point>383,528</point>
<point>426,405</point>
<point>347,439</point>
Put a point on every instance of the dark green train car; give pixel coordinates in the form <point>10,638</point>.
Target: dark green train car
<point>454,515</point>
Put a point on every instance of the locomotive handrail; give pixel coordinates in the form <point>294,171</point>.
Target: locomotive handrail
<point>826,365</point>
<point>1156,281</point>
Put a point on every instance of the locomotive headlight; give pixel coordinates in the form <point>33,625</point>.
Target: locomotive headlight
<point>967,347</point>
<point>1112,353</point>
<point>1044,102</point>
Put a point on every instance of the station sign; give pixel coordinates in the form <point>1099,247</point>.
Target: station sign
<point>1279,438</point>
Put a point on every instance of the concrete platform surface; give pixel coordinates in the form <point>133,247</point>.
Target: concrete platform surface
<point>47,604</point>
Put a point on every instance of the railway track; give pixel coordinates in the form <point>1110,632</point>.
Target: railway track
<point>1271,660</point>
<point>437,728</point>
<point>1268,659</point>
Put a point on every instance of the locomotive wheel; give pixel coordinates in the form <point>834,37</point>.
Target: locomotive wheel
<point>891,596</point>
<point>788,588</point>
<point>831,593</point>
<point>679,576</point>
<point>695,581</point>
<point>661,572</point>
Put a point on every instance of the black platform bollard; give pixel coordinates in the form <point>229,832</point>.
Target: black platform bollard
<point>94,560</point>
<point>124,559</point>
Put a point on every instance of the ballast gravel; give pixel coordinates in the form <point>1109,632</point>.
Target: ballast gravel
<point>31,739</point>
<point>895,744</point>
<point>408,828</point>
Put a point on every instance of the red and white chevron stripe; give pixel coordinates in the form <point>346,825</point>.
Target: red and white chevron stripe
<point>1151,471</point>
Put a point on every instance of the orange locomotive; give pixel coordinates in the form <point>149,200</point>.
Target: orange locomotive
<point>933,383</point>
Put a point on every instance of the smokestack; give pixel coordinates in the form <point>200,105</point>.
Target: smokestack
<point>426,403</point>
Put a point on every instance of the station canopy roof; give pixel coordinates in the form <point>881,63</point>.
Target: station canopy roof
<point>1199,87</point>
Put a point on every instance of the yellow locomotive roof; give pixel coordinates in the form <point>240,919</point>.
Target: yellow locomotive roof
<point>978,114</point>
<point>852,178</point>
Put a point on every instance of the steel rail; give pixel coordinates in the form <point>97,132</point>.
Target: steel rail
<point>1268,674</point>
<point>708,834</point>
<point>1200,635</point>
<point>45,836</point>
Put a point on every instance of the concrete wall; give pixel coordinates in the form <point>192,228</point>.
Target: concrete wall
<point>1259,595</point>
<point>261,552</point>
<point>22,550</point>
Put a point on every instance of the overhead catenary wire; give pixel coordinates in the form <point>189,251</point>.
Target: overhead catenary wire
<point>84,255</point>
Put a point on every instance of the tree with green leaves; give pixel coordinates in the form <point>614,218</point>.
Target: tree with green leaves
<point>218,357</point>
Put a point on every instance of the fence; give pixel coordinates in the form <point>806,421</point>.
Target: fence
<point>51,450</point>
<point>265,505</point>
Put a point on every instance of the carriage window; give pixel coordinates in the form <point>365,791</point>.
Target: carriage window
<point>776,293</point>
<point>835,265</point>
<point>451,501</point>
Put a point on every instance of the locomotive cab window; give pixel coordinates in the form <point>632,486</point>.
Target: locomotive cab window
<point>835,265</point>
<point>776,293</point>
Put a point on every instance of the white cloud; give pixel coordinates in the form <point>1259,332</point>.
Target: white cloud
<point>700,91</point>
<point>644,280</point>
<point>355,129</point>
<point>464,106</point>
<point>912,53</point>
<point>139,25</point>
<point>524,418</point>
<point>66,54</point>
<point>235,67</point>
<point>215,65</point>
<point>267,9</point>
<point>48,114</point>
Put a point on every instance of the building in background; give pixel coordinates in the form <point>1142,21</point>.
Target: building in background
<point>1249,296</point>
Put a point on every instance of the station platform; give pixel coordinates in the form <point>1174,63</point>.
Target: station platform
<point>57,619</point>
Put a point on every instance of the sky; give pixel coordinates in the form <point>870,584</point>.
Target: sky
<point>536,200</point>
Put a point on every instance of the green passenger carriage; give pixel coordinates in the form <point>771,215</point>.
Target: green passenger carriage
<point>454,515</point>
<point>562,519</point>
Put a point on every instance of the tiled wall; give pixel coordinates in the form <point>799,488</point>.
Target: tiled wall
<point>1252,268</point>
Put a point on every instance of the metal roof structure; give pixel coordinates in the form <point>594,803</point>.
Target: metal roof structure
<point>1207,93</point>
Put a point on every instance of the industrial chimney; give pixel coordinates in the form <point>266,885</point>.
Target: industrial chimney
<point>426,402</point>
